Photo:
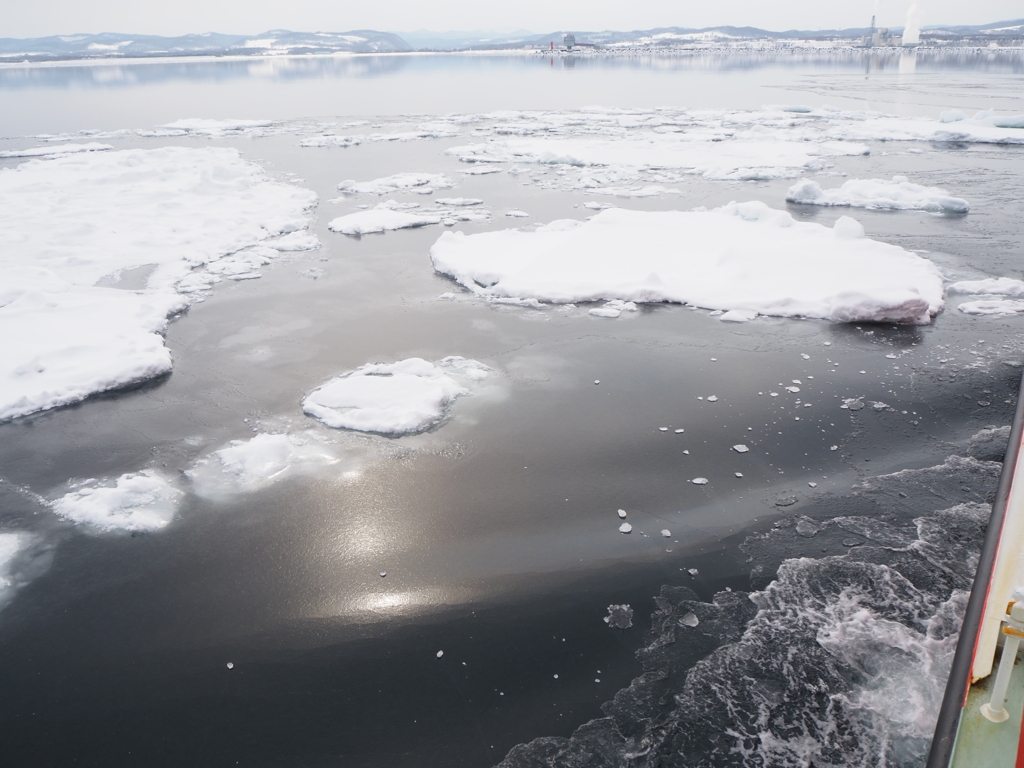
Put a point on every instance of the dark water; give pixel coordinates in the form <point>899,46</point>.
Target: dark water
<point>499,531</point>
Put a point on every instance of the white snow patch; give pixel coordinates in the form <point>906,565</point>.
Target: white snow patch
<point>898,194</point>
<point>743,256</point>
<point>402,398</point>
<point>137,501</point>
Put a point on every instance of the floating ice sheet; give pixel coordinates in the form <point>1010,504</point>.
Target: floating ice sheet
<point>402,398</point>
<point>743,256</point>
<point>245,466</point>
<point>76,220</point>
<point>139,501</point>
<point>898,194</point>
<point>54,151</point>
<point>994,286</point>
<point>380,220</point>
<point>419,182</point>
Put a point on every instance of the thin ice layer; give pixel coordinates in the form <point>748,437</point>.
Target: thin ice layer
<point>900,194</point>
<point>402,398</point>
<point>73,224</point>
<point>743,256</point>
<point>737,159</point>
<point>244,466</point>
<point>138,501</point>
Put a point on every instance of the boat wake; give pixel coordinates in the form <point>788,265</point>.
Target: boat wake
<point>838,660</point>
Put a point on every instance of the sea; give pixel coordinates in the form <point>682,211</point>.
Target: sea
<point>465,598</point>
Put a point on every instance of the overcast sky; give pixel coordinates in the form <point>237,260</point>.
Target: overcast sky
<point>37,18</point>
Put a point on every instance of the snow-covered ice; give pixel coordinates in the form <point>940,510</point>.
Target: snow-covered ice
<point>206,127</point>
<point>898,194</point>
<point>73,221</point>
<point>137,501</point>
<point>244,466</point>
<point>723,160</point>
<point>331,141</point>
<point>992,307</point>
<point>993,286</point>
<point>399,182</point>
<point>744,256</point>
<point>55,150</point>
<point>380,220</point>
<point>402,398</point>
<point>613,308</point>
<point>619,616</point>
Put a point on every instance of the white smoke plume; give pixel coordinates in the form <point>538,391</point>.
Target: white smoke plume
<point>912,26</point>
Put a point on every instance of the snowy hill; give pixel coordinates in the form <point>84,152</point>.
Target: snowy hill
<point>277,41</point>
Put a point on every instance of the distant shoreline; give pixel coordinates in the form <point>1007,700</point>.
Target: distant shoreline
<point>10,63</point>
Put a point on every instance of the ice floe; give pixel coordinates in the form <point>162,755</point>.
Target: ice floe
<point>399,182</point>
<point>245,466</point>
<point>331,141</point>
<point>402,398</point>
<point>992,307</point>
<point>898,194</point>
<point>206,127</point>
<point>73,224</point>
<point>993,286</point>
<point>731,160</point>
<point>138,501</point>
<point>744,256</point>
<point>55,151</point>
<point>380,220</point>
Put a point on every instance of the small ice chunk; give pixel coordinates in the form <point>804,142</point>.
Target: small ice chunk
<point>699,481</point>
<point>230,665</point>
<point>805,356</point>
<point>738,316</point>
<point>693,571</point>
<point>383,574</point>
<point>622,513</point>
<point>619,616</point>
<point>738,474</point>
<point>996,286</point>
<point>793,389</point>
<point>813,485</point>
<point>516,214</point>
<point>680,431</point>
<point>459,201</point>
<point>625,528</point>
<point>666,533</point>
<point>834,448</point>
<point>137,501</point>
<point>380,220</point>
<point>440,654</point>
<point>853,403</point>
<point>689,620</point>
<point>401,398</point>
<point>898,194</point>
<point>713,399</point>
<point>740,448</point>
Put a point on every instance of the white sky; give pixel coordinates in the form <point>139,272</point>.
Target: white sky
<point>37,18</point>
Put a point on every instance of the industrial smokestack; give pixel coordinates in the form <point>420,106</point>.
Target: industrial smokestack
<point>912,27</point>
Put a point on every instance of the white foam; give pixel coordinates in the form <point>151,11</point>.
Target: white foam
<point>76,220</point>
<point>402,398</point>
<point>743,256</point>
<point>54,151</point>
<point>898,194</point>
<point>138,501</point>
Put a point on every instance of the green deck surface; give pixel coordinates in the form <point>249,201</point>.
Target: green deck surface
<point>980,743</point>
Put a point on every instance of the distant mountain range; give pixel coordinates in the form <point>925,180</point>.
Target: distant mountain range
<point>276,41</point>
<point>285,42</point>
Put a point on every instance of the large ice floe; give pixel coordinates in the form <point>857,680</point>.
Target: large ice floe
<point>73,225</point>
<point>402,398</point>
<point>743,256</point>
<point>137,501</point>
<point>900,194</point>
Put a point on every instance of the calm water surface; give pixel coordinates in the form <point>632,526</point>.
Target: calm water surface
<point>498,532</point>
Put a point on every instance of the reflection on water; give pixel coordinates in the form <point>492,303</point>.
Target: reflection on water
<point>102,74</point>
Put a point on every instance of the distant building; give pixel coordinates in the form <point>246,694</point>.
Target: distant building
<point>569,41</point>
